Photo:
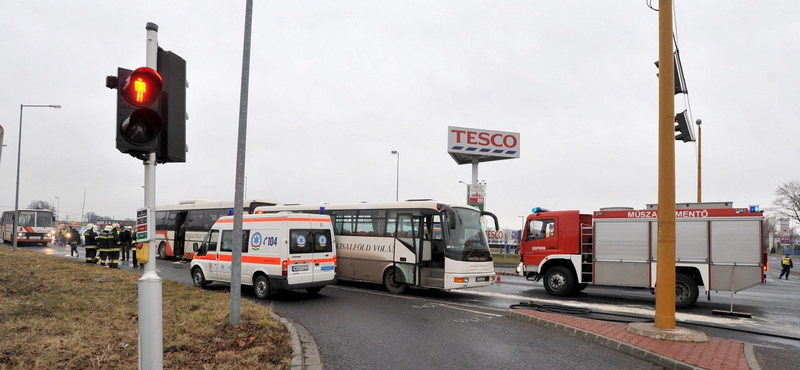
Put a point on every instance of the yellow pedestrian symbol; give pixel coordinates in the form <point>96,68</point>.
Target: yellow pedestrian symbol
<point>141,88</point>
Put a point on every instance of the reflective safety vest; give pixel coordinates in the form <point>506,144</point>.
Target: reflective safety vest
<point>786,261</point>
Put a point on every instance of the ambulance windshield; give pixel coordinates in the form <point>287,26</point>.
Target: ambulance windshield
<point>467,242</point>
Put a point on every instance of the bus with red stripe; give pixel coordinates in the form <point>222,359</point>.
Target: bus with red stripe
<point>283,251</point>
<point>179,226</point>
<point>35,226</point>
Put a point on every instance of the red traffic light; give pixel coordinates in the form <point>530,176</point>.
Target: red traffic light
<point>143,87</point>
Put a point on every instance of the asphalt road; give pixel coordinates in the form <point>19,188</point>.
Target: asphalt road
<point>362,326</point>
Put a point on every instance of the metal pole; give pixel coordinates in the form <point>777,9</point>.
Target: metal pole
<point>83,207</point>
<point>665,275</point>
<point>236,264</point>
<point>151,332</point>
<point>474,171</point>
<point>397,177</point>
<point>699,160</point>
<point>19,154</point>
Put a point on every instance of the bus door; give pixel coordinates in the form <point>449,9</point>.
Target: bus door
<point>406,252</point>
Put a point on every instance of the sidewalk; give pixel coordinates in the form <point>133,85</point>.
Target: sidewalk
<point>715,354</point>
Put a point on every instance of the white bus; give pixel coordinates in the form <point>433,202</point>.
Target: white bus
<point>418,243</point>
<point>35,226</point>
<point>180,225</point>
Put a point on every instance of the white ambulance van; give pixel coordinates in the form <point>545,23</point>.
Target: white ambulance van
<point>280,251</point>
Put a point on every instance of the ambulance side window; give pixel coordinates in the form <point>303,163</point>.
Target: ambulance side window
<point>209,243</point>
<point>227,241</point>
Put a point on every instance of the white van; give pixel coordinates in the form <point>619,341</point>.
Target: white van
<point>280,251</point>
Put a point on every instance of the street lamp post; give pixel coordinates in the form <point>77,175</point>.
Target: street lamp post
<point>467,185</point>
<point>84,205</point>
<point>57,207</point>
<point>19,152</point>
<point>699,157</point>
<point>397,177</point>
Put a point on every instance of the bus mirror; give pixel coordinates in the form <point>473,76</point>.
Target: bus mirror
<point>490,214</point>
<point>194,246</point>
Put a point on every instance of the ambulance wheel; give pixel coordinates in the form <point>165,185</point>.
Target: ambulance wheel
<point>314,290</point>
<point>261,287</point>
<point>198,278</point>
<point>162,251</point>
<point>686,291</point>
<point>389,281</point>
<point>559,282</point>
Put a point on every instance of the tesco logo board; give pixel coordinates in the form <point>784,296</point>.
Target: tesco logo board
<point>471,141</point>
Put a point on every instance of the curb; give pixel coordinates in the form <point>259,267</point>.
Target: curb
<point>588,336</point>
<point>305,353</point>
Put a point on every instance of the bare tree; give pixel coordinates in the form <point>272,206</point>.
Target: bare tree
<point>40,204</point>
<point>787,203</point>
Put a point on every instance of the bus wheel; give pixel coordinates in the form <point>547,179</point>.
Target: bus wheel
<point>559,282</point>
<point>162,251</point>
<point>261,287</point>
<point>580,287</point>
<point>314,290</point>
<point>389,281</point>
<point>198,278</point>
<point>686,291</point>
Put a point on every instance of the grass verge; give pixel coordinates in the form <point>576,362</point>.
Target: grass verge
<point>60,314</point>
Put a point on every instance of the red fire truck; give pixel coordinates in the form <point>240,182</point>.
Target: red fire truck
<point>717,247</point>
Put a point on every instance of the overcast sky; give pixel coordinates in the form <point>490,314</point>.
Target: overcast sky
<point>335,86</point>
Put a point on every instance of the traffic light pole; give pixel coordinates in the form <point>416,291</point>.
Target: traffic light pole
<point>151,334</point>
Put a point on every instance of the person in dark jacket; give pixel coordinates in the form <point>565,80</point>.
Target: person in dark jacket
<point>73,239</point>
<point>90,243</point>
<point>125,243</point>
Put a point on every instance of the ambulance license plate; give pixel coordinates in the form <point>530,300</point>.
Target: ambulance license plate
<point>296,268</point>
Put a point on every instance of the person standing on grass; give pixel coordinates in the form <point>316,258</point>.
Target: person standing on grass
<point>125,240</point>
<point>786,263</point>
<point>102,242</point>
<point>73,240</point>
<point>114,246</point>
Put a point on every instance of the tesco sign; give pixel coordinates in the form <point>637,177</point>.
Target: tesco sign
<point>467,144</point>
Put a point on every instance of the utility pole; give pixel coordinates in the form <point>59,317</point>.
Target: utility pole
<point>699,159</point>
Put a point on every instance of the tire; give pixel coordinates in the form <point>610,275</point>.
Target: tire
<point>686,291</point>
<point>580,287</point>
<point>261,287</point>
<point>559,281</point>
<point>389,281</point>
<point>198,278</point>
<point>314,290</point>
<point>162,251</point>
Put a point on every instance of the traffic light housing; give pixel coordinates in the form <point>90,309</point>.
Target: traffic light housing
<point>685,132</point>
<point>138,120</point>
<point>172,141</point>
<point>677,68</point>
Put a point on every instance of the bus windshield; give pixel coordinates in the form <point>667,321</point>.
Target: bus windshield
<point>44,219</point>
<point>467,241</point>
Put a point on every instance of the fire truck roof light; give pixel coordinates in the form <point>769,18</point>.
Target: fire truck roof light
<point>755,208</point>
<point>539,209</point>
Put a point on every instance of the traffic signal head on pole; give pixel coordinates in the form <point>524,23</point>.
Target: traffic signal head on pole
<point>685,132</point>
<point>139,121</point>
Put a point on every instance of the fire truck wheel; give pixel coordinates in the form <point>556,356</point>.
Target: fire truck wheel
<point>558,281</point>
<point>580,287</point>
<point>389,281</point>
<point>162,251</point>
<point>198,278</point>
<point>686,291</point>
<point>261,287</point>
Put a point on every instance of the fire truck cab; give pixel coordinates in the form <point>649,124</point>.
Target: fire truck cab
<point>717,247</point>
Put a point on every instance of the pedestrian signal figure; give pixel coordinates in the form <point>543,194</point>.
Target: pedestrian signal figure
<point>787,264</point>
<point>90,243</point>
<point>73,238</point>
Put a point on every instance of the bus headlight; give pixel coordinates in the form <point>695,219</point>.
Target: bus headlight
<point>459,280</point>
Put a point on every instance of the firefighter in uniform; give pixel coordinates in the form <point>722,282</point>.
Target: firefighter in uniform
<point>786,263</point>
<point>102,242</point>
<point>90,243</point>
<point>114,246</point>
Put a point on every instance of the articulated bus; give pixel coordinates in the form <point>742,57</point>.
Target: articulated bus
<point>180,225</point>
<point>35,226</point>
<point>417,243</point>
